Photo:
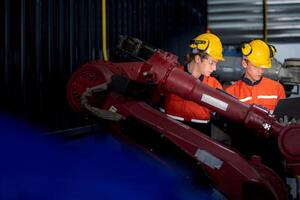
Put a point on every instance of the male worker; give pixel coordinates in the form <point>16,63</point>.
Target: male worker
<point>206,52</point>
<point>253,88</point>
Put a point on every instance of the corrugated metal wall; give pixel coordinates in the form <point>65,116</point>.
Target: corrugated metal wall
<point>240,20</point>
<point>44,41</point>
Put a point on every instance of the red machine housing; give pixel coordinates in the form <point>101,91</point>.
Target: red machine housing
<point>231,174</point>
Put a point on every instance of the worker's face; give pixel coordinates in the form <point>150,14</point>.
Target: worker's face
<point>252,72</point>
<point>208,65</point>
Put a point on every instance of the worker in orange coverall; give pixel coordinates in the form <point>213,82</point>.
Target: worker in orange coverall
<point>254,88</point>
<point>206,52</point>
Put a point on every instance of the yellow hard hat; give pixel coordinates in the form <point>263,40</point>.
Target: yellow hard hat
<point>209,43</point>
<point>259,53</point>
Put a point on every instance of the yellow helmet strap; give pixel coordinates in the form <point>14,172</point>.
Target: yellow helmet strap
<point>200,44</point>
<point>246,49</point>
<point>272,50</point>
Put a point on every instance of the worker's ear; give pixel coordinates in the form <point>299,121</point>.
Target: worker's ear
<point>244,63</point>
<point>197,59</point>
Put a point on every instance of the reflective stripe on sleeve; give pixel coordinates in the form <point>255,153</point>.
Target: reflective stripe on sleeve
<point>245,99</point>
<point>267,97</point>
<point>200,121</point>
<point>176,117</point>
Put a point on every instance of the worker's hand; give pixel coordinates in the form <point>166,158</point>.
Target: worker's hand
<point>285,120</point>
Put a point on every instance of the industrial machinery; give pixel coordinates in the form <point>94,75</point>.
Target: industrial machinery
<point>120,90</point>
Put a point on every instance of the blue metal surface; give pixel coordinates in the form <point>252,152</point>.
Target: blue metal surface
<point>97,166</point>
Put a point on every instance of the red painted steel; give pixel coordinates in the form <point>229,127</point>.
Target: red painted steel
<point>230,172</point>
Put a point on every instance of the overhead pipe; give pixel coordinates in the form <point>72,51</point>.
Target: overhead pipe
<point>104,40</point>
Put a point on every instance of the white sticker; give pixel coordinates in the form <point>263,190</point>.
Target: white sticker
<point>214,102</point>
<point>113,109</point>
<point>208,159</point>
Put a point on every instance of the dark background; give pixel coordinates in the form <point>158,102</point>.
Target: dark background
<point>43,41</point>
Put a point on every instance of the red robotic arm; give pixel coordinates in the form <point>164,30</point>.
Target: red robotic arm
<point>251,116</point>
<point>231,173</point>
